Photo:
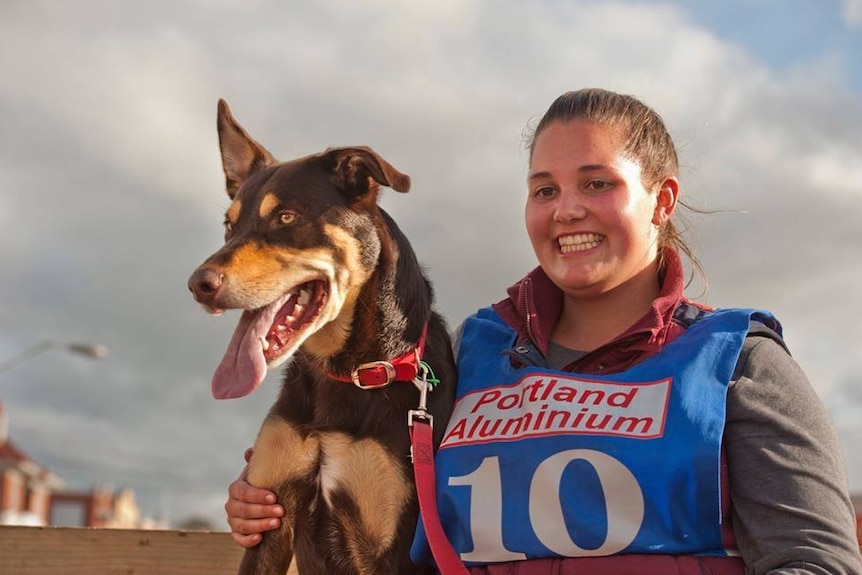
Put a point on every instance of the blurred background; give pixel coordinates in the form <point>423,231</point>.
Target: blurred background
<point>111,191</point>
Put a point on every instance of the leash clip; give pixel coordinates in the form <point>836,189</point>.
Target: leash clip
<point>424,386</point>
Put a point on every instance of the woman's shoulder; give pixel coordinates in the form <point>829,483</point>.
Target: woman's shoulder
<point>766,376</point>
<point>761,323</point>
<point>764,350</point>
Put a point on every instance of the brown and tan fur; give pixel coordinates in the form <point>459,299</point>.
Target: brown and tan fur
<point>336,455</point>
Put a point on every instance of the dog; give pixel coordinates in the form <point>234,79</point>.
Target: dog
<point>329,286</point>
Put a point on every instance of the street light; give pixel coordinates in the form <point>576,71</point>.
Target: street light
<point>93,351</point>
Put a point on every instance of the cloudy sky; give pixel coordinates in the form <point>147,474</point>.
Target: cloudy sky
<point>111,189</point>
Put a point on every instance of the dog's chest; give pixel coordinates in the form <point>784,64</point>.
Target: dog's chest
<point>363,477</point>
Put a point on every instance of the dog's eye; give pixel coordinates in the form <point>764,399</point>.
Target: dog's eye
<point>287,218</point>
<point>228,227</point>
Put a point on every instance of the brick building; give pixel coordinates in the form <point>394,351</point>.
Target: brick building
<point>25,486</point>
<point>32,495</point>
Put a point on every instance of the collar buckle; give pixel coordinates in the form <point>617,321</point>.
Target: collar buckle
<point>375,378</point>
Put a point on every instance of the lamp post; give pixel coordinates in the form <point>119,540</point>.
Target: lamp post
<point>93,351</point>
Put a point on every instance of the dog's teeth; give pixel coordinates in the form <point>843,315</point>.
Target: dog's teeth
<point>304,297</point>
<point>264,344</point>
<point>297,311</point>
<point>280,328</point>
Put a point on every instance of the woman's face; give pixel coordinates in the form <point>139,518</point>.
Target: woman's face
<point>592,223</point>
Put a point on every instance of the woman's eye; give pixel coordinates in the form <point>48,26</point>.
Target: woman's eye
<point>598,185</point>
<point>287,218</point>
<point>544,192</point>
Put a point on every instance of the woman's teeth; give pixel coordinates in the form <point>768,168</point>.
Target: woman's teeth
<point>579,242</point>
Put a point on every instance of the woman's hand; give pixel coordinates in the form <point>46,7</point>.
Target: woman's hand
<point>250,510</point>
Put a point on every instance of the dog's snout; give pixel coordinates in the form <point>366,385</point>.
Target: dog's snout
<point>205,283</point>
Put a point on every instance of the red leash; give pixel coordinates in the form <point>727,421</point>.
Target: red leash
<point>409,367</point>
<point>422,452</point>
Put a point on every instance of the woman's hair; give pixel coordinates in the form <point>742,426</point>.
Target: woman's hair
<point>647,142</point>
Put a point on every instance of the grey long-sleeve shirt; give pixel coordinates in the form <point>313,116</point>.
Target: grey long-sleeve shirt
<point>791,510</point>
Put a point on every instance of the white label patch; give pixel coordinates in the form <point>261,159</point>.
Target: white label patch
<point>540,405</point>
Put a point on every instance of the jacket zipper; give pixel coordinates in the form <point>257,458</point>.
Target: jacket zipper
<point>528,306</point>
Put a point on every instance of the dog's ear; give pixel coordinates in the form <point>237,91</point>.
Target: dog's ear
<point>241,155</point>
<point>358,168</point>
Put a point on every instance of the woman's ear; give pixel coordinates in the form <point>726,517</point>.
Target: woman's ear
<point>666,199</point>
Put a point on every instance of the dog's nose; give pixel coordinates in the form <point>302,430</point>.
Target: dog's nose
<point>205,284</point>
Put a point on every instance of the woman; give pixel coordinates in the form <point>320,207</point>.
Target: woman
<point>604,422</point>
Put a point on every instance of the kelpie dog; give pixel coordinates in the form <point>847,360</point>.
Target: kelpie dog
<point>327,281</point>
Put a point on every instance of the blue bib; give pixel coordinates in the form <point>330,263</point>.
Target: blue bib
<point>542,463</point>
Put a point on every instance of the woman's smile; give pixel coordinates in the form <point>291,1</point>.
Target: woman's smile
<point>579,242</point>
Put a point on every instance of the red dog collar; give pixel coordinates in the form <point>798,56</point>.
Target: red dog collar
<point>382,373</point>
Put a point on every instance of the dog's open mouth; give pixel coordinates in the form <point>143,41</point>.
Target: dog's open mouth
<point>265,337</point>
<point>303,305</point>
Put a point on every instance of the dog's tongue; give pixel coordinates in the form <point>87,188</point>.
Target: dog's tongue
<point>243,366</point>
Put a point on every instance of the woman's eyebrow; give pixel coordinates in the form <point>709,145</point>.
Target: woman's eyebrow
<point>593,167</point>
<point>585,168</point>
<point>538,175</point>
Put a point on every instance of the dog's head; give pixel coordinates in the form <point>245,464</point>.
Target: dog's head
<point>300,241</point>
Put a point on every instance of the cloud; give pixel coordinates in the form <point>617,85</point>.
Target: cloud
<point>853,13</point>
<point>130,101</point>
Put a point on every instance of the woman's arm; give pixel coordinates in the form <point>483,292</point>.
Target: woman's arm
<point>250,510</point>
<point>788,484</point>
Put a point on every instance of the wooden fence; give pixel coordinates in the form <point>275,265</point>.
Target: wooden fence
<point>83,551</point>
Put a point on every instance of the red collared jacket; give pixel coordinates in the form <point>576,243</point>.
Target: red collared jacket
<point>535,303</point>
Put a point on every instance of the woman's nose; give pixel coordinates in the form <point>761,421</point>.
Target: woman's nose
<point>570,207</point>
